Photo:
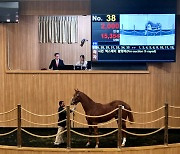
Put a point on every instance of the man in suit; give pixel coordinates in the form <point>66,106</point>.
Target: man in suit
<point>56,63</point>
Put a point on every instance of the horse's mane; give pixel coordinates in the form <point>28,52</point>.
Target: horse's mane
<point>113,103</point>
<point>81,93</point>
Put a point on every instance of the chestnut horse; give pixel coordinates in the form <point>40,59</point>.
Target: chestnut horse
<point>92,108</point>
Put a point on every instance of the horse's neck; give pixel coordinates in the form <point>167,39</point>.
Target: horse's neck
<point>87,103</point>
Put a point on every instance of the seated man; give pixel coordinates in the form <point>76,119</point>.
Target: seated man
<point>56,63</point>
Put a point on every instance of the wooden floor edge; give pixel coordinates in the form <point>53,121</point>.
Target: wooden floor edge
<point>89,149</point>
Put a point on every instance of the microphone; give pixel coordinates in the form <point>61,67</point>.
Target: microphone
<point>82,42</point>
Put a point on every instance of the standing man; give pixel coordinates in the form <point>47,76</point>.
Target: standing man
<point>61,125</point>
<point>56,63</point>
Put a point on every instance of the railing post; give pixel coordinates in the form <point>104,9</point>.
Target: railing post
<point>19,139</point>
<point>119,126</point>
<point>166,125</point>
<point>68,127</point>
<point>72,122</point>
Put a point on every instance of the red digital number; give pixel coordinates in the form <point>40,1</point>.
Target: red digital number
<point>110,36</point>
<point>104,36</point>
<point>113,26</point>
<point>109,25</point>
<point>103,26</point>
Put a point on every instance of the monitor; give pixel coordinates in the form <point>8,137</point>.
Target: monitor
<point>133,31</point>
<point>9,12</point>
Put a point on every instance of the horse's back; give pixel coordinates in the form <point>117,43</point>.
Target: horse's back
<point>116,103</point>
<point>111,106</point>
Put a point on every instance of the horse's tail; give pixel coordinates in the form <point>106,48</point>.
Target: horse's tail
<point>130,116</point>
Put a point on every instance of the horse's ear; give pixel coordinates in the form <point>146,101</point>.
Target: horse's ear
<point>76,90</point>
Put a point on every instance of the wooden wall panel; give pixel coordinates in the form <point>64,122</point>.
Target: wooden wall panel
<point>2,63</point>
<point>23,44</point>
<point>54,7</point>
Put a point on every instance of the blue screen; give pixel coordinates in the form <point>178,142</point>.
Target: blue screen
<point>133,31</point>
<point>133,37</point>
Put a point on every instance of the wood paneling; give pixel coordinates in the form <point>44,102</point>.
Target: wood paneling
<point>54,7</point>
<point>23,44</point>
<point>2,63</point>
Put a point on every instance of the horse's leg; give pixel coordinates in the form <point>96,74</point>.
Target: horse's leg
<point>89,138</point>
<point>123,142</point>
<point>96,133</point>
<point>123,133</point>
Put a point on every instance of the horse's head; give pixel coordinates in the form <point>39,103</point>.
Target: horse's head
<point>76,97</point>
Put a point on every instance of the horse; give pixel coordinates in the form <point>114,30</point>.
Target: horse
<point>92,108</point>
<point>153,27</point>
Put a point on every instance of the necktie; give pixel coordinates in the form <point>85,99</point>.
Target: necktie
<point>57,63</point>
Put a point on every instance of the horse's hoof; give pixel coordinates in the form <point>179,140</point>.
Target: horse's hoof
<point>97,146</point>
<point>87,144</point>
<point>122,145</point>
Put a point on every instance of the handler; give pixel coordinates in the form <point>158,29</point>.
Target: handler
<point>61,125</point>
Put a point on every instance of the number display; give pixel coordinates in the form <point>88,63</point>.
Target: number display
<point>109,25</point>
<point>110,36</point>
<point>110,18</point>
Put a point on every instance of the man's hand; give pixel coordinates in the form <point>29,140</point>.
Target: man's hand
<point>74,108</point>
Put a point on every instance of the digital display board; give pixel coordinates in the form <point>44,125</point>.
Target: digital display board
<point>133,37</point>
